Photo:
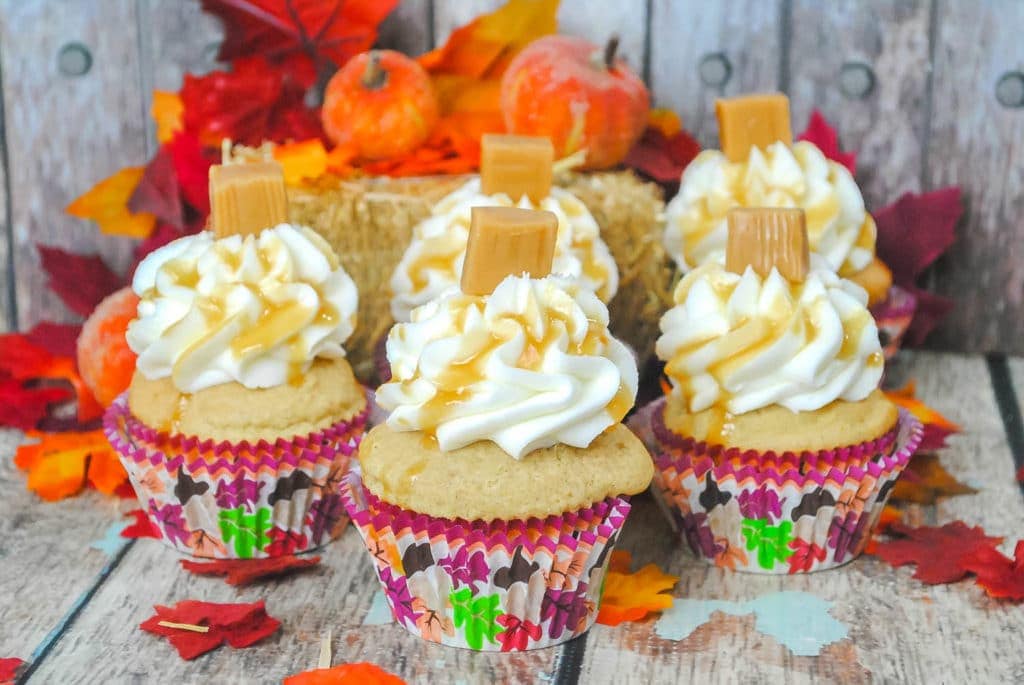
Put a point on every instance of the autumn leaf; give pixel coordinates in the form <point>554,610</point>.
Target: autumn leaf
<point>890,515</point>
<point>926,480</point>
<point>194,628</point>
<point>80,281</point>
<point>938,552</point>
<point>660,157</point>
<point>158,192</point>
<point>106,203</point>
<point>361,673</point>
<point>304,160</point>
<point>246,571</point>
<point>9,669</point>
<point>142,527</point>
<point>631,596</point>
<point>826,138</point>
<point>167,111</point>
<point>1000,576</point>
<point>936,426</point>
<point>59,339</point>
<point>23,361</point>
<point>664,120</point>
<point>192,170</point>
<point>62,464</point>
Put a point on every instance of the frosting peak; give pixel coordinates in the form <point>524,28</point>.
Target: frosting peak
<point>433,261</point>
<point>255,310</point>
<point>839,228</point>
<point>741,342</point>
<point>529,366</point>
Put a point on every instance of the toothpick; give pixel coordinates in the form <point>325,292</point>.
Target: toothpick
<point>184,626</point>
<point>325,651</point>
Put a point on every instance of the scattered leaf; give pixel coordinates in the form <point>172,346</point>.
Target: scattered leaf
<point>61,464</point>
<point>59,339</point>
<point>1000,576</point>
<point>106,203</point>
<point>192,169</point>
<point>936,426</point>
<point>361,673</point>
<point>1020,475</point>
<point>167,111</point>
<point>665,120</point>
<point>158,192</point>
<point>142,528</point>
<point>239,625</point>
<point>307,159</point>
<point>23,361</point>
<point>662,157</point>
<point>245,571</point>
<point>80,281</point>
<point>632,596</point>
<point>24,408</point>
<point>9,669</point>
<point>926,480</point>
<point>821,133</point>
<point>938,552</point>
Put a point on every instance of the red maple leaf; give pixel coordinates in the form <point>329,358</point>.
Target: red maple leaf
<point>999,575</point>
<point>142,528</point>
<point>661,157</point>
<point>361,673</point>
<point>158,192</point>
<point>24,407</point>
<point>939,552</point>
<point>822,134</point>
<point>80,281</point>
<point>191,170</point>
<point>9,669</point>
<point>59,339</point>
<point>245,571</point>
<point>1020,475</point>
<point>303,34</point>
<point>23,361</point>
<point>239,625</point>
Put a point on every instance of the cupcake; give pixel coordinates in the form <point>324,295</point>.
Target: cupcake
<point>243,412</point>
<point>777,450</point>
<point>492,496</point>
<point>760,166</point>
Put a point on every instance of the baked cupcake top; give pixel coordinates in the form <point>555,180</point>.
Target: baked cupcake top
<point>759,166</point>
<point>743,341</point>
<point>515,172</point>
<point>255,309</point>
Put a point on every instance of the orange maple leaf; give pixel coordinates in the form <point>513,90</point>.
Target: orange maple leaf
<point>167,112</point>
<point>926,480</point>
<point>106,203</point>
<point>62,464</point>
<point>631,596</point>
<point>362,673</point>
<point>306,159</point>
<point>906,397</point>
<point>665,120</point>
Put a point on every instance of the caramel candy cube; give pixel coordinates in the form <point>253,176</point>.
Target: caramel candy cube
<point>516,166</point>
<point>507,241</point>
<point>752,121</point>
<point>766,237</point>
<point>246,198</point>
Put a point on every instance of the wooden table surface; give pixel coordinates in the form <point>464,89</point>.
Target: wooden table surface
<point>72,593</point>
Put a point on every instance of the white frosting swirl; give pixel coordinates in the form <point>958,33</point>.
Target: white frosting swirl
<point>433,261</point>
<point>529,366</point>
<point>746,342</point>
<point>256,311</point>
<point>839,228</point>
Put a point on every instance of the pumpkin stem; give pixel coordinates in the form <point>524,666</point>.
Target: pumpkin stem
<point>373,76</point>
<point>610,48</point>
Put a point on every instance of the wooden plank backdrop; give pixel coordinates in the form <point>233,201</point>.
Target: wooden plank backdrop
<point>929,92</point>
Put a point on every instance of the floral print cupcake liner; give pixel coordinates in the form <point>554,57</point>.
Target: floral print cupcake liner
<point>893,316</point>
<point>225,500</point>
<point>762,514</point>
<point>488,586</point>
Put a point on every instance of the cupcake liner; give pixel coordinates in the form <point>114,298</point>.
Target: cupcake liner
<point>893,316</point>
<point>488,586</point>
<point>241,500</point>
<point>760,513</point>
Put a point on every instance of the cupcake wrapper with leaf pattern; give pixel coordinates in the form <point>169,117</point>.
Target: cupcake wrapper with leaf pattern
<point>488,586</point>
<point>776,514</point>
<point>226,500</point>
<point>893,316</point>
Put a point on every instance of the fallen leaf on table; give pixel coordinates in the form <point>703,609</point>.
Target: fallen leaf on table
<point>306,159</point>
<point>24,408</point>
<point>632,596</point>
<point>166,110</point>
<point>936,426</point>
<point>362,673</point>
<point>9,669</point>
<point>245,571</point>
<point>926,480</point>
<point>1000,576</point>
<point>890,515</point>
<point>62,464</point>
<point>142,528</point>
<point>80,281</point>
<point>239,625</point>
<point>823,135</point>
<point>1020,475</point>
<point>59,339</point>
<point>938,552</point>
<point>106,203</point>
<point>22,361</point>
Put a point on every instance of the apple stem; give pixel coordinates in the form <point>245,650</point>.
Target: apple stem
<point>610,48</point>
<point>373,76</point>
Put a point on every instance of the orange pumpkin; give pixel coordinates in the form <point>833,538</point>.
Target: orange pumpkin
<point>380,105</point>
<point>577,94</point>
<point>105,362</point>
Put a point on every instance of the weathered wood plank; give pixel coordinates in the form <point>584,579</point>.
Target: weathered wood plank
<point>336,596</point>
<point>955,633</point>
<point>45,559</point>
<point>8,319</point>
<point>744,33</point>
<point>597,20</point>
<point>408,28</point>
<point>66,132</point>
<point>836,51</point>
<point>1017,375</point>
<point>976,142</point>
<point>174,38</point>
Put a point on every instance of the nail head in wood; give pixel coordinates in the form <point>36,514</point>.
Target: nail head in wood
<point>1010,89</point>
<point>767,237</point>
<point>856,80</point>
<point>715,69</point>
<point>74,59</point>
<point>506,241</point>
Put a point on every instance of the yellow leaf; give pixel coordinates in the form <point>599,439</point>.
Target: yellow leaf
<point>106,203</point>
<point>906,397</point>
<point>631,596</point>
<point>665,120</point>
<point>303,160</point>
<point>167,111</point>
<point>57,464</point>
